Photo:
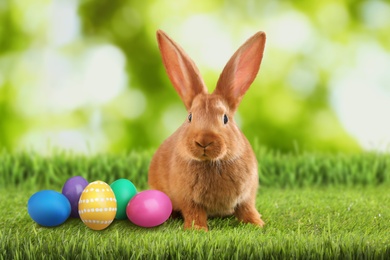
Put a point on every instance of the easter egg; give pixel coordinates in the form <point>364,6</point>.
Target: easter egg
<point>72,189</point>
<point>124,190</point>
<point>97,205</point>
<point>48,208</point>
<point>149,208</point>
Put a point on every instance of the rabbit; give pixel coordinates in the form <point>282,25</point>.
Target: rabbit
<point>207,166</point>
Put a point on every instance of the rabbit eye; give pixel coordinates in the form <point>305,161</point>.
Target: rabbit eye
<point>225,119</point>
<point>190,117</point>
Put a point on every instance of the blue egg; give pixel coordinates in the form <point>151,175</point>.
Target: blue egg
<point>48,208</point>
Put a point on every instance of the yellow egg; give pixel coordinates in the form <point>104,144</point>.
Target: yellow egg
<point>97,205</point>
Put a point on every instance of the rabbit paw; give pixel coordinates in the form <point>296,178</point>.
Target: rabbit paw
<point>196,227</point>
<point>248,214</point>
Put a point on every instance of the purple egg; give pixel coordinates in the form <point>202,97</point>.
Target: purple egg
<point>72,189</point>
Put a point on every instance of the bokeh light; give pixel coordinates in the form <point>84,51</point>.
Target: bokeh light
<point>87,76</point>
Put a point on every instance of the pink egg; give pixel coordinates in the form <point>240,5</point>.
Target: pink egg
<point>149,208</point>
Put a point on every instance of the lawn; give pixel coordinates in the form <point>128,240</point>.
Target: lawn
<point>315,206</point>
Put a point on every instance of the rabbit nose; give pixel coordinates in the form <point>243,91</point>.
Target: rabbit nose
<point>203,145</point>
<point>204,140</point>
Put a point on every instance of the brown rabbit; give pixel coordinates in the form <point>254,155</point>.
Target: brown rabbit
<point>207,167</point>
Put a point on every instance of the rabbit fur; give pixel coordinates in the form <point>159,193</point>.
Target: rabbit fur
<point>207,166</point>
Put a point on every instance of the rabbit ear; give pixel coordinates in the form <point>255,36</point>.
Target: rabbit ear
<point>241,70</point>
<point>181,70</point>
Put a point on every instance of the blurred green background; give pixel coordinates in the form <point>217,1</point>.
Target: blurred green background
<point>87,75</point>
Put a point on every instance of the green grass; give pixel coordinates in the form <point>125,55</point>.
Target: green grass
<point>30,170</point>
<point>315,206</point>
